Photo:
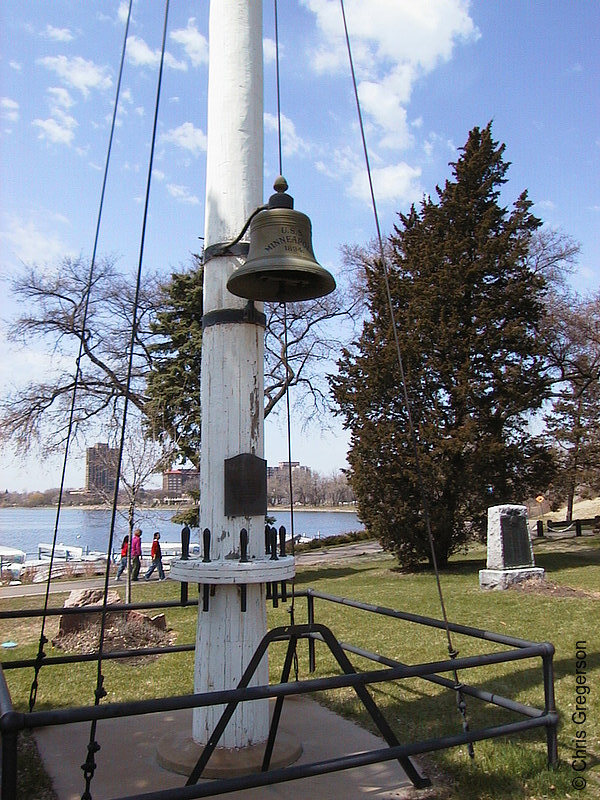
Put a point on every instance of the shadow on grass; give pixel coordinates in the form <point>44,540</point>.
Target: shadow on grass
<point>555,561</point>
<point>310,575</point>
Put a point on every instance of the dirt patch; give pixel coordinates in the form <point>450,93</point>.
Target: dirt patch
<point>534,586</point>
<point>131,633</point>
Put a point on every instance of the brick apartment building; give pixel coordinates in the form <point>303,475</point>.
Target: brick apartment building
<point>101,467</point>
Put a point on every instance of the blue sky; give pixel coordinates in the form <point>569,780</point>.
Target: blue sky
<point>428,72</point>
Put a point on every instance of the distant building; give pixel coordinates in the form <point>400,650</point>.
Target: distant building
<point>176,481</point>
<point>101,467</point>
<point>283,468</point>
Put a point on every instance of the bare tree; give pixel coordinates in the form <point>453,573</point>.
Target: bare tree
<point>54,304</point>
<point>572,332</point>
<point>302,340</point>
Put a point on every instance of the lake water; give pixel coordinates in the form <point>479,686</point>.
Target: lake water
<point>25,528</point>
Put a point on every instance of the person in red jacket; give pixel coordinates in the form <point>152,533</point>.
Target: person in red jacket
<point>136,554</point>
<point>123,562</point>
<point>156,555</point>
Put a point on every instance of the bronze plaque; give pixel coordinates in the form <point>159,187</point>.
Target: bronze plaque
<point>515,541</point>
<point>245,486</point>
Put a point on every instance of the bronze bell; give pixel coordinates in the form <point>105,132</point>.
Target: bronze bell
<point>281,266</point>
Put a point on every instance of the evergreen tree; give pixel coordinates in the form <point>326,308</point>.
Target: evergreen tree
<point>173,382</point>
<point>466,309</point>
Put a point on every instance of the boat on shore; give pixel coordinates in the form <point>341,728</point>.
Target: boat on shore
<point>74,561</point>
<point>11,555</point>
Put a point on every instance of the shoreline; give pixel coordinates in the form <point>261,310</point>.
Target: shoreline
<point>350,509</point>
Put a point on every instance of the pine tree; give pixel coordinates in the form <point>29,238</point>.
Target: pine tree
<point>466,308</point>
<point>173,383</point>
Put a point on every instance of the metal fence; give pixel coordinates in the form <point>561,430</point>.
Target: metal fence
<point>13,722</point>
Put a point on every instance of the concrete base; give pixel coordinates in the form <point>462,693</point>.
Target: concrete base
<point>127,765</point>
<point>180,753</point>
<point>503,578</point>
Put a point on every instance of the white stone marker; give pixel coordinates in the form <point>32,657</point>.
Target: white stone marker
<point>509,550</point>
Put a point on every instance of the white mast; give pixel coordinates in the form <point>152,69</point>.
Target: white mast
<point>232,616</point>
<point>232,362</point>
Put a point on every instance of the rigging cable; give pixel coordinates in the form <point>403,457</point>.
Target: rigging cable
<point>43,640</point>
<point>89,766</point>
<point>412,433</point>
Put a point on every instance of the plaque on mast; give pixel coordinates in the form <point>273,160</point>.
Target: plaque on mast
<point>245,486</point>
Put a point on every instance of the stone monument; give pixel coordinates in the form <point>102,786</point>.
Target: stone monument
<point>509,550</point>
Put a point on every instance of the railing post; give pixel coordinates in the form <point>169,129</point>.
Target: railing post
<point>540,529</point>
<point>9,765</point>
<point>550,705</point>
<point>310,601</point>
<point>577,527</point>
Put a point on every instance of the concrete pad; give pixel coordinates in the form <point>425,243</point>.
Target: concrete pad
<point>127,762</point>
<point>178,752</point>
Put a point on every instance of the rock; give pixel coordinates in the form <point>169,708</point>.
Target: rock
<point>79,598</point>
<point>137,618</point>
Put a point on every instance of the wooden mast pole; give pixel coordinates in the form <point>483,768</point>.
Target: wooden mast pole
<point>232,363</point>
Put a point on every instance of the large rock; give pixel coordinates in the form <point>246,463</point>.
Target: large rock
<point>79,598</point>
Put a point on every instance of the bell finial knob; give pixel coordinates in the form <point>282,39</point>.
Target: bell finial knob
<point>280,185</point>
<point>281,199</point>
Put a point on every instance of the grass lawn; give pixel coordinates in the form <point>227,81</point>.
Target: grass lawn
<point>502,769</point>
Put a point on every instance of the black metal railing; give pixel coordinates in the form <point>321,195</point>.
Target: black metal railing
<point>12,722</point>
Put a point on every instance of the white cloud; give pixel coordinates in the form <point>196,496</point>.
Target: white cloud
<point>269,51</point>
<point>123,11</point>
<point>291,143</point>
<point>30,244</point>
<point>58,129</point>
<point>397,183</point>
<point>9,109</point>
<point>15,65</point>
<point>58,34</point>
<point>60,98</point>
<point>78,73</point>
<point>141,55</point>
<point>394,42</point>
<point>193,42</point>
<point>383,102</point>
<point>182,193</point>
<point>392,183</point>
<point>187,137</point>
<point>394,31</point>
<point>546,205</point>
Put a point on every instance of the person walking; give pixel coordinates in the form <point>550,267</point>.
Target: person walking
<point>156,556</point>
<point>123,562</point>
<point>136,554</point>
